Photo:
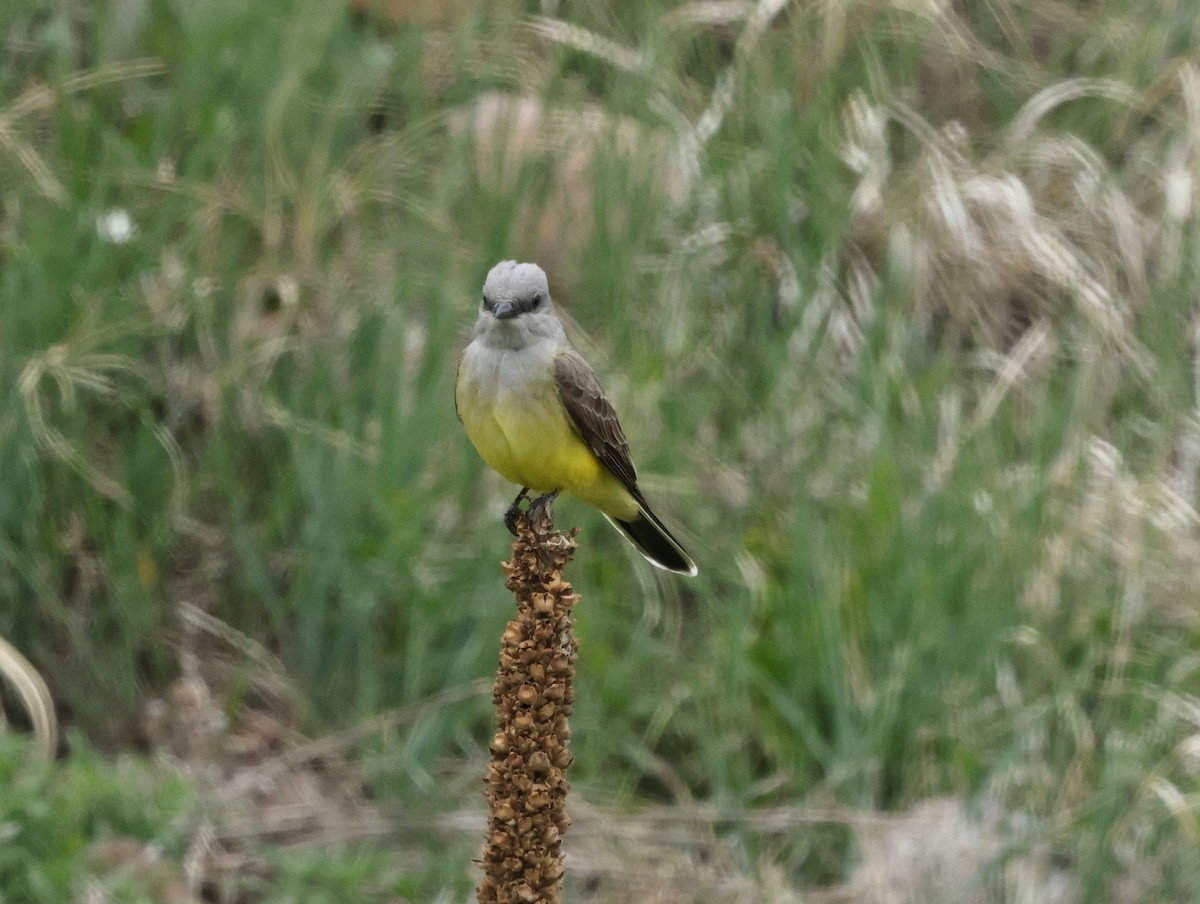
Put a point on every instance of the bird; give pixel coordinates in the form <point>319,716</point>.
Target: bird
<point>534,411</point>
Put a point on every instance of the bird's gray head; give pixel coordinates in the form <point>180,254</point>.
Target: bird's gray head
<point>516,309</point>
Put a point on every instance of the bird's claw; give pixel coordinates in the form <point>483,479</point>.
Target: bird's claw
<point>541,505</point>
<point>513,512</point>
<point>537,508</point>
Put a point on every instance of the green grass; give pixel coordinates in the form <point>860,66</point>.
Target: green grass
<point>916,387</point>
<point>60,819</point>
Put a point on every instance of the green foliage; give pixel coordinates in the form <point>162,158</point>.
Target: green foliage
<point>57,818</point>
<point>124,829</point>
<point>905,348</point>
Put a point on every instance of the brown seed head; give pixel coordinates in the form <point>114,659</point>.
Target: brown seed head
<point>527,695</point>
<point>534,688</point>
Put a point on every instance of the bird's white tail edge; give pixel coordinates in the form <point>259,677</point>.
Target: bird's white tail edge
<point>656,544</point>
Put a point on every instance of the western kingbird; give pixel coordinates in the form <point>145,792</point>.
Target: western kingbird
<point>534,411</point>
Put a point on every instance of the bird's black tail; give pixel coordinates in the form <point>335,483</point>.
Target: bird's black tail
<point>655,542</point>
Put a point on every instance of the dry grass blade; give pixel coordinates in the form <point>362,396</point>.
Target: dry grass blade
<point>866,152</point>
<point>511,133</point>
<point>1037,227</point>
<point>1025,123</point>
<point>32,163</point>
<point>588,42</point>
<point>708,13</point>
<point>1015,367</point>
<point>1182,807</point>
<point>71,369</point>
<point>40,98</point>
<point>34,695</point>
<point>343,742</point>
<point>719,105</point>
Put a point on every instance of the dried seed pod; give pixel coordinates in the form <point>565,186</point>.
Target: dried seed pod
<point>526,788</point>
<point>538,762</point>
<point>504,813</point>
<point>527,695</point>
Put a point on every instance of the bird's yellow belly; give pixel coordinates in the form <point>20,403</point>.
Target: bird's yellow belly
<point>536,449</point>
<point>526,437</point>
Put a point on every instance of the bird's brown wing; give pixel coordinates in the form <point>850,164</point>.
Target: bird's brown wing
<point>593,416</point>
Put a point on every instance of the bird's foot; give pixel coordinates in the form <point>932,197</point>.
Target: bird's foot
<point>542,505</point>
<point>513,512</point>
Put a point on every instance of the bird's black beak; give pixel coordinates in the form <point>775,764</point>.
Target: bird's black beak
<point>505,310</point>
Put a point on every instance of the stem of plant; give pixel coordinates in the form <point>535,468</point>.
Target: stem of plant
<point>526,785</point>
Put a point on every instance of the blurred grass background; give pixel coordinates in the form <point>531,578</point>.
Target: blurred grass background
<point>897,302</point>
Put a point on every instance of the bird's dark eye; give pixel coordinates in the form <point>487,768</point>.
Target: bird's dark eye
<point>537,301</point>
<point>487,305</point>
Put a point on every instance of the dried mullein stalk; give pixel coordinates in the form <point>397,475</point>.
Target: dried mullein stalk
<point>526,781</point>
